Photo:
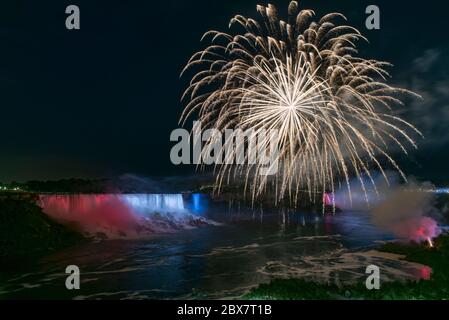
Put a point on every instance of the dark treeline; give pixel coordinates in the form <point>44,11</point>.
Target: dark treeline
<point>123,184</point>
<point>61,186</point>
<point>68,186</point>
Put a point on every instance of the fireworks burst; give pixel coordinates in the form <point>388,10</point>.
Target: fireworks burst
<point>301,77</point>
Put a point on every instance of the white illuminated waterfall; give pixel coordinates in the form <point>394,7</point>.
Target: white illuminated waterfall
<point>155,202</point>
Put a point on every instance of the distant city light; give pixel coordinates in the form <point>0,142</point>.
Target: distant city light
<point>6,188</point>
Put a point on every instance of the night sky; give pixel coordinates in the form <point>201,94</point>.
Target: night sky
<point>102,101</point>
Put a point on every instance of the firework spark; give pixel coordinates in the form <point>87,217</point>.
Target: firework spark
<point>430,242</point>
<point>301,77</point>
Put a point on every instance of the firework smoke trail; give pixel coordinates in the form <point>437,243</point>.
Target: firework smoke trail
<point>332,109</point>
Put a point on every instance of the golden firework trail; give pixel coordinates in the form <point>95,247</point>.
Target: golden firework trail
<point>303,78</point>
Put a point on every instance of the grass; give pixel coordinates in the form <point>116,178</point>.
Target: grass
<point>436,288</point>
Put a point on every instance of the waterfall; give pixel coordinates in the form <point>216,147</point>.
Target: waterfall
<point>161,203</point>
<point>122,215</point>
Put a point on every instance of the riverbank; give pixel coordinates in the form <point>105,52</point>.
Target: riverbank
<point>436,287</point>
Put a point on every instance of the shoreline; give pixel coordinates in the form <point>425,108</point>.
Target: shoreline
<point>434,287</point>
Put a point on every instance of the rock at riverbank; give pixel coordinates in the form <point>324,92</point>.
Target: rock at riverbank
<point>26,230</point>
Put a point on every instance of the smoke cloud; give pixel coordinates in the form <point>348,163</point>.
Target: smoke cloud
<point>404,213</point>
<point>403,210</point>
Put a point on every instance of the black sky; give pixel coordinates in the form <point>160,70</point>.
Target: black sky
<point>103,100</point>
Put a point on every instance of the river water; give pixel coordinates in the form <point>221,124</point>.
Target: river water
<point>233,250</point>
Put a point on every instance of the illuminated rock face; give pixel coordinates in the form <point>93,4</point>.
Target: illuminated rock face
<point>120,215</point>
